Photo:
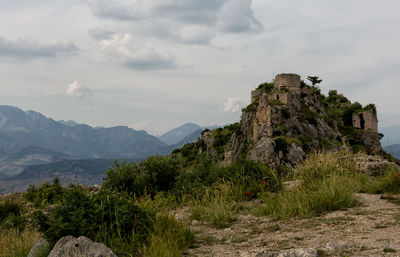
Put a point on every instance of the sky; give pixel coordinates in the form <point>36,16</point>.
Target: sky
<point>156,64</point>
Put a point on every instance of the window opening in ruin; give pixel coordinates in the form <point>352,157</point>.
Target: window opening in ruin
<point>277,97</point>
<point>362,121</point>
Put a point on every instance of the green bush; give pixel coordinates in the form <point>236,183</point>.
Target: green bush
<point>11,215</point>
<point>104,216</point>
<point>267,87</point>
<point>155,174</point>
<point>247,174</point>
<point>44,195</point>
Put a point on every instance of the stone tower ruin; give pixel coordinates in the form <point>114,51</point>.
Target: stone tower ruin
<point>290,82</point>
<point>366,120</point>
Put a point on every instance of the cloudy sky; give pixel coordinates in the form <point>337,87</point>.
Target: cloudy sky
<point>156,64</point>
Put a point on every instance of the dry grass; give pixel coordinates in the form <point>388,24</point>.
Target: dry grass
<point>14,243</point>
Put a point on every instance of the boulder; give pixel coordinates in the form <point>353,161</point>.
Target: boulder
<point>39,248</point>
<point>295,155</point>
<point>78,247</point>
<point>264,151</point>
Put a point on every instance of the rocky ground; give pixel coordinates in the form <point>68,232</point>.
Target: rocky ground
<point>370,229</point>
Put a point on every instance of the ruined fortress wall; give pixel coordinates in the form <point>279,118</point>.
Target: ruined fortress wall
<point>366,120</point>
<point>282,97</point>
<point>290,82</point>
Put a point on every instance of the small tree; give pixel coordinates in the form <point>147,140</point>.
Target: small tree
<point>314,80</point>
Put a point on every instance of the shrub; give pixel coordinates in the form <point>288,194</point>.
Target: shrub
<point>155,174</point>
<point>11,215</point>
<point>105,216</point>
<point>251,107</point>
<point>44,195</point>
<point>247,174</point>
<point>267,87</point>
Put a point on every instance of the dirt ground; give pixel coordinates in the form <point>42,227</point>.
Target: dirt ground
<point>370,229</point>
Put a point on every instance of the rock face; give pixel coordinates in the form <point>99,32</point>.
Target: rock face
<point>288,119</point>
<point>78,247</point>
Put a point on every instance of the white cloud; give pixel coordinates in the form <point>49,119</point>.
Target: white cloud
<point>124,50</point>
<point>76,89</point>
<point>141,125</point>
<point>232,105</point>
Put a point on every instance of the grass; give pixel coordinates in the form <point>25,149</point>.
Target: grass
<point>14,243</point>
<point>216,207</point>
<point>329,182</point>
<point>168,238</point>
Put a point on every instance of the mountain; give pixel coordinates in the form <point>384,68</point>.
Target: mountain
<point>393,150</point>
<point>19,130</point>
<point>192,137</point>
<point>13,164</point>
<point>177,134</point>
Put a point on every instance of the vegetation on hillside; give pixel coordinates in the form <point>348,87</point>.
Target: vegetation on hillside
<point>131,213</point>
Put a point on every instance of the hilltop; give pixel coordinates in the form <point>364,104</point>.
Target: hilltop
<point>288,119</point>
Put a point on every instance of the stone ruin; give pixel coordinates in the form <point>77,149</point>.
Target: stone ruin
<point>366,120</point>
<point>288,82</point>
<point>285,86</point>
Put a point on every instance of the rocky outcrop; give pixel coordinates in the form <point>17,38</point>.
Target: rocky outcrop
<point>78,247</point>
<point>373,165</point>
<point>288,119</point>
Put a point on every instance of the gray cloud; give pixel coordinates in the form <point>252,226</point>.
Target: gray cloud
<point>225,16</point>
<point>237,16</point>
<point>30,49</point>
<point>100,33</point>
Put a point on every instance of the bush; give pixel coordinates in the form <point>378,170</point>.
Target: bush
<point>155,174</point>
<point>247,174</point>
<point>44,195</point>
<point>11,215</point>
<point>105,216</point>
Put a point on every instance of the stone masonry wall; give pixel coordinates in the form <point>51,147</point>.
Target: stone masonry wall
<point>366,120</point>
<point>290,82</point>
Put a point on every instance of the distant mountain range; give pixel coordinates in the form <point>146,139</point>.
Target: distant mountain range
<point>19,130</point>
<point>35,149</point>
